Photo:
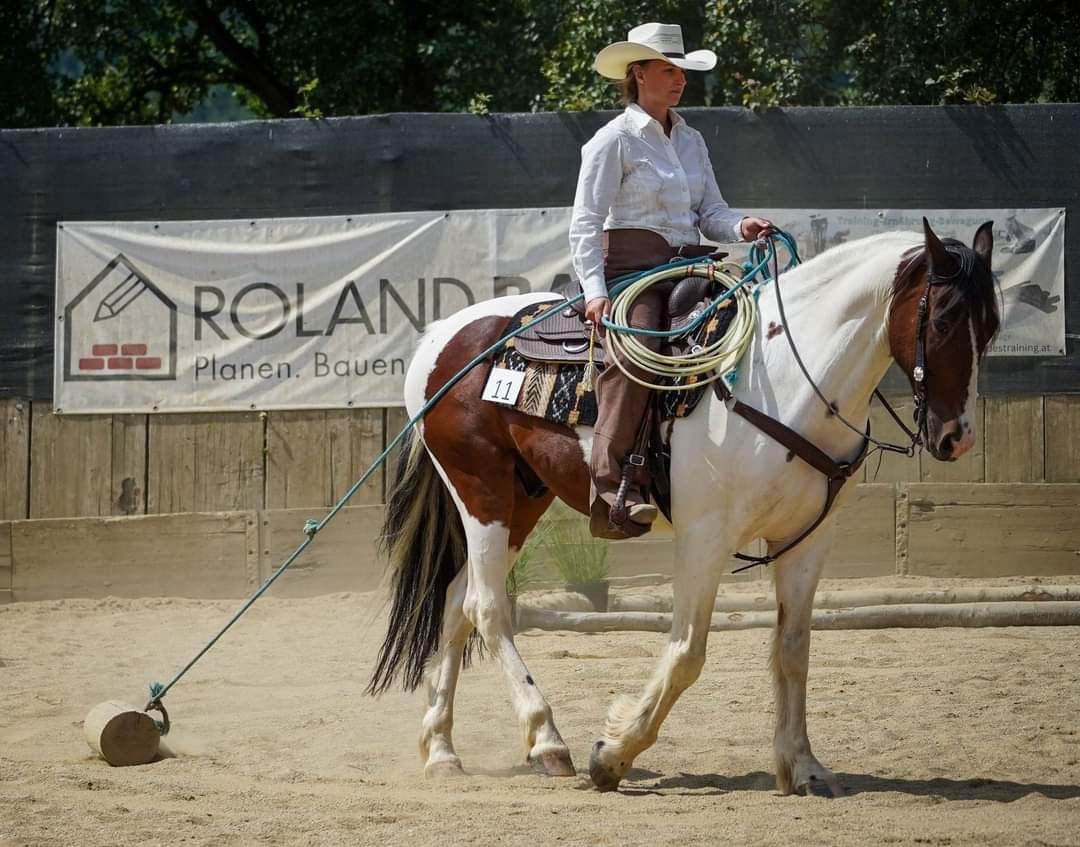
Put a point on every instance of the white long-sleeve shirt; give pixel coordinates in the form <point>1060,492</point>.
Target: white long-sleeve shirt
<point>633,176</point>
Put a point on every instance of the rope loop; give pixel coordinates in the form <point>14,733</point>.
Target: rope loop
<point>702,365</point>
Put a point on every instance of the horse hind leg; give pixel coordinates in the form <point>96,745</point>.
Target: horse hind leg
<point>552,757</point>
<point>797,575</point>
<point>492,546</point>
<point>436,743</point>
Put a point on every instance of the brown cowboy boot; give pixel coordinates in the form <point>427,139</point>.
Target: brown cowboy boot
<point>625,511</point>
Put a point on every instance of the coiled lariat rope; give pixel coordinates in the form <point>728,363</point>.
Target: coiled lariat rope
<point>719,359</point>
<point>716,360</point>
<point>759,259</point>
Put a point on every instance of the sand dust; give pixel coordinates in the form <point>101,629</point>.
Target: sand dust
<point>941,736</point>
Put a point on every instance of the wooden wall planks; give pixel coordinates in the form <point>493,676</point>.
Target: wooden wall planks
<point>926,529</point>
<point>5,562</point>
<point>205,462</point>
<point>343,558</point>
<point>192,555</point>
<point>865,540</point>
<point>99,465</point>
<point>1061,416</point>
<point>993,530</point>
<point>78,464</point>
<point>314,457</point>
<point>14,459</point>
<point>1014,439</point>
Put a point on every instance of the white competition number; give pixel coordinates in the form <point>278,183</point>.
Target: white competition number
<point>503,386</point>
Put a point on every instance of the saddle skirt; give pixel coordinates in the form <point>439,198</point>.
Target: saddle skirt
<point>554,355</point>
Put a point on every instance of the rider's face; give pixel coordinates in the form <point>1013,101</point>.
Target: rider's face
<point>660,82</point>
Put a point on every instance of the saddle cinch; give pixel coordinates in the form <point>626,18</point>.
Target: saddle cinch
<point>563,340</point>
<point>564,337</point>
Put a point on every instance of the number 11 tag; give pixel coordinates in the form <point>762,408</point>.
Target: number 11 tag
<point>503,386</point>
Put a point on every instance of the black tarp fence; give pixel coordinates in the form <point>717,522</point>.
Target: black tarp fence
<point>887,157</point>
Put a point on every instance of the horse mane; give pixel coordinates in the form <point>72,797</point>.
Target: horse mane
<point>974,293</point>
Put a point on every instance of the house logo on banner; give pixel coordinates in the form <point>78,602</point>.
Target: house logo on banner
<point>120,326</point>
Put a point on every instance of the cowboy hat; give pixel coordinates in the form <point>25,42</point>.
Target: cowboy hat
<point>651,41</point>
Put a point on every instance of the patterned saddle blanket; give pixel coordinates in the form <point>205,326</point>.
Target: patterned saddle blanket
<point>555,353</point>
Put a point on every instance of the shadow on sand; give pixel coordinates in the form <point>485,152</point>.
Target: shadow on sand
<point>973,788</point>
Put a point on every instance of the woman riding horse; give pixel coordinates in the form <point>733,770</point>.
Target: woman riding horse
<point>645,189</point>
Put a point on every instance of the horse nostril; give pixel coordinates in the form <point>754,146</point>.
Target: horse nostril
<point>948,440</point>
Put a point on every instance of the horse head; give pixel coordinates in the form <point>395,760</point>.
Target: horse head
<point>943,315</point>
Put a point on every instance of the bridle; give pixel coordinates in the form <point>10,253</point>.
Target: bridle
<point>920,436</point>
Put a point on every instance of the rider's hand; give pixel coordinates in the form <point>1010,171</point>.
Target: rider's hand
<point>596,309</point>
<point>752,228</point>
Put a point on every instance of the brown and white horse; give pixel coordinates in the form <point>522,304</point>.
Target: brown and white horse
<point>459,509</point>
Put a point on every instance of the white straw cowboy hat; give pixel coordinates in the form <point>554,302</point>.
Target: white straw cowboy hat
<point>651,41</point>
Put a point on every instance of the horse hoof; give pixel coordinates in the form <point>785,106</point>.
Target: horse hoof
<point>818,788</point>
<point>603,777</point>
<point>553,763</point>
<point>444,769</point>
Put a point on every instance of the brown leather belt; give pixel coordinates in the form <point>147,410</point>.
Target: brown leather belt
<point>630,250</point>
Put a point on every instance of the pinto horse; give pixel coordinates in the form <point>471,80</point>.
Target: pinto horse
<point>465,495</point>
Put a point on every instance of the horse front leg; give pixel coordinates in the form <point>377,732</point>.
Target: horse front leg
<point>633,725</point>
<point>797,575</point>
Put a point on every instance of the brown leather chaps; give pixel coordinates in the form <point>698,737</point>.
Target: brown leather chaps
<point>622,401</point>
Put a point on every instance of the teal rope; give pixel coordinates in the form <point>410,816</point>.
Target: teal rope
<point>757,264</point>
<point>312,527</point>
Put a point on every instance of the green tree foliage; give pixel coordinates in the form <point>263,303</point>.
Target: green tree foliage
<point>873,52</point>
<point>88,62</point>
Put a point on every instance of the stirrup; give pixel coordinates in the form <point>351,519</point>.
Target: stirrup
<point>617,514</point>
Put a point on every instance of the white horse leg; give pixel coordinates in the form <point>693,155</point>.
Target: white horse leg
<point>796,578</point>
<point>436,745</point>
<point>633,725</point>
<point>488,608</point>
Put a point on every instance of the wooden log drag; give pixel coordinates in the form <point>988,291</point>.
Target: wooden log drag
<point>121,734</point>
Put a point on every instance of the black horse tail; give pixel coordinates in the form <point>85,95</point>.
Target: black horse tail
<point>424,540</point>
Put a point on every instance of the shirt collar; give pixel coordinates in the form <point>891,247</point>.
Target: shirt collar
<point>640,119</point>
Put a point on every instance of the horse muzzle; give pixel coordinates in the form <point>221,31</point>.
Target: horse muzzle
<point>950,440</point>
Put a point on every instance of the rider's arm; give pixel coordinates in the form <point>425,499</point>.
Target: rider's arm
<point>716,220</point>
<point>598,184</point>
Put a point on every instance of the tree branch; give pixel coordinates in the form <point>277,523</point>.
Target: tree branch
<point>279,97</point>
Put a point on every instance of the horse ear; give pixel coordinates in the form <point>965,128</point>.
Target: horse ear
<point>941,261</point>
<point>983,243</point>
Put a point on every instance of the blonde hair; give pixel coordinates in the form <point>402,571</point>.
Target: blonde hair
<point>628,89</point>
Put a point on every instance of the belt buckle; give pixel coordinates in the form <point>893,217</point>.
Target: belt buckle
<point>636,459</point>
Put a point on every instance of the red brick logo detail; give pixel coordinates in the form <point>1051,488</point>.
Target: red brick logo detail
<point>133,349</point>
<point>121,363</point>
<point>104,349</point>
<point>91,364</point>
<point>148,364</point>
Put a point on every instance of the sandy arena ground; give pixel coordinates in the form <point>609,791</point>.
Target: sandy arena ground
<point>942,737</point>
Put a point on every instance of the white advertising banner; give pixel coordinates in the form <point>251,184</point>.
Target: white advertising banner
<point>325,312</point>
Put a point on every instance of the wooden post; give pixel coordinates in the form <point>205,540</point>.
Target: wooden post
<point>917,615</point>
